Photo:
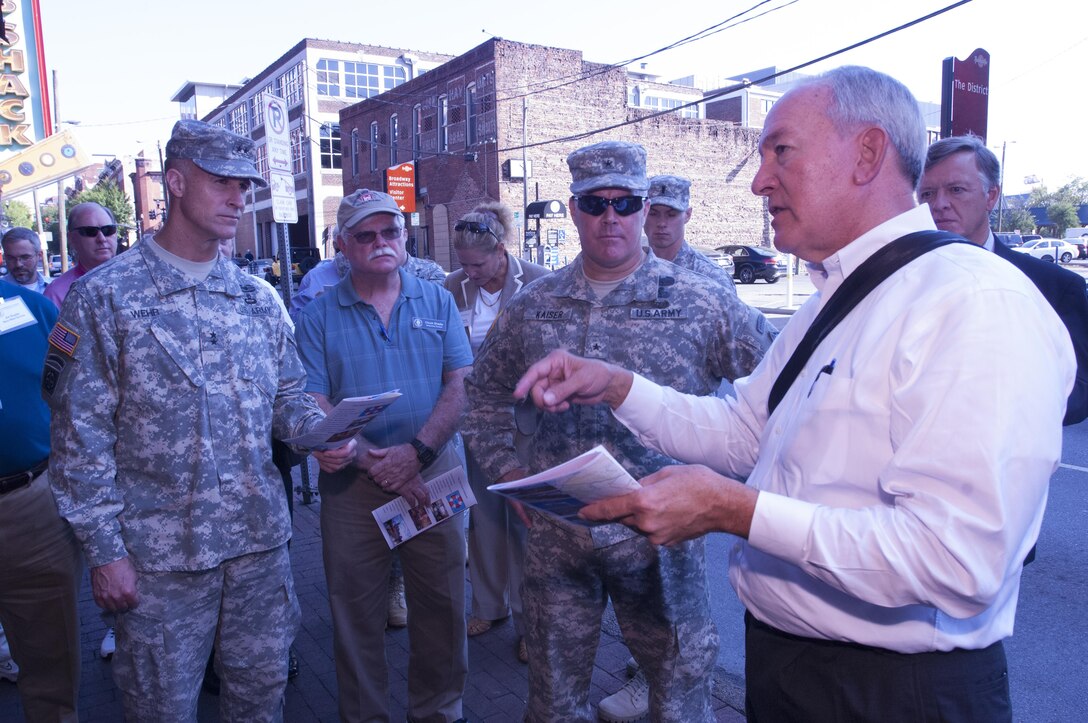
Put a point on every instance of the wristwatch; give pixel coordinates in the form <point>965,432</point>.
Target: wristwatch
<point>424,454</point>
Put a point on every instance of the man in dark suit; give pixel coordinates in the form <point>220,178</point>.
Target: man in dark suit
<point>961,184</point>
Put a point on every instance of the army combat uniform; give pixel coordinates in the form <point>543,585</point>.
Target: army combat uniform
<point>677,328</point>
<point>165,392</point>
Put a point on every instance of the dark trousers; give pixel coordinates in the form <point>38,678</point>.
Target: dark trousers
<point>790,678</point>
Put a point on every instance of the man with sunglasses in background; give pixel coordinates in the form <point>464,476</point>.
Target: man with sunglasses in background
<point>618,303</point>
<point>381,329</point>
<point>92,235</point>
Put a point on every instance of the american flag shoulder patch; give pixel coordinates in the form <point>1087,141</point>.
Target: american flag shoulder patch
<point>64,339</point>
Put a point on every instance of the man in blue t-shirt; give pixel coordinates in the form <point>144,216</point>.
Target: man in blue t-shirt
<point>40,566</point>
<point>378,330</point>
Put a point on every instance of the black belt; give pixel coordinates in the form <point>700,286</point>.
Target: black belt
<point>12,482</point>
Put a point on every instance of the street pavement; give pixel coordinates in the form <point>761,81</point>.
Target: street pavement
<point>1048,654</point>
<point>497,684</point>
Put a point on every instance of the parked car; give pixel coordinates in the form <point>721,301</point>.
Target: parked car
<point>1031,237</point>
<point>1081,242</point>
<point>54,265</point>
<point>1049,249</point>
<point>1012,240</point>
<point>723,260</point>
<point>754,262</point>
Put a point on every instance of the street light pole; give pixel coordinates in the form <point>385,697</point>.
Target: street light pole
<point>1001,197</point>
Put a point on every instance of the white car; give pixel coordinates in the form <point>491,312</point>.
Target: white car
<point>1049,249</point>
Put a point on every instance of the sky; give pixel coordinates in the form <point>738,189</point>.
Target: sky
<point>119,62</point>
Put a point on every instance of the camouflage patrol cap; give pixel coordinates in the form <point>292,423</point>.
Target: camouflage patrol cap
<point>611,164</point>
<point>362,204</point>
<point>671,191</point>
<point>215,150</point>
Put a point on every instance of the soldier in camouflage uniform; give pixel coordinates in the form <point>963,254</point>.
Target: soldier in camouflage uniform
<point>618,303</point>
<point>168,373</point>
<point>670,211</point>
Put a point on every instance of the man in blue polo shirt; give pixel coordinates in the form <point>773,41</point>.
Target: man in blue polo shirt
<point>378,330</point>
<point>40,567</point>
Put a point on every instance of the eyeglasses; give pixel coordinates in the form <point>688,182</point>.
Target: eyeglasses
<point>365,238</point>
<point>597,205</point>
<point>92,231</point>
<point>473,227</point>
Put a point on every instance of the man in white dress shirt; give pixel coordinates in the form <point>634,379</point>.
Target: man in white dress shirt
<point>890,498</point>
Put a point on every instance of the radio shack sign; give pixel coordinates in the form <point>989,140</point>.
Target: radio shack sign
<point>24,94</point>
<point>400,183</point>
<point>965,95</point>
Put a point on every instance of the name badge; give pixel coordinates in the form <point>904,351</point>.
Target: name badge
<point>466,318</point>
<point>549,314</point>
<point>14,314</point>
<point>432,324</point>
<point>667,313</point>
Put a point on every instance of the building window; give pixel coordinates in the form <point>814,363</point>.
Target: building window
<point>470,114</point>
<point>239,119</point>
<point>258,104</point>
<point>392,76</point>
<point>393,138</point>
<point>417,131</point>
<point>290,85</point>
<point>374,146</point>
<point>328,77</point>
<point>354,152</point>
<point>298,151</point>
<point>330,145</point>
<point>366,80</point>
<point>765,105</point>
<point>443,124</point>
<point>262,161</point>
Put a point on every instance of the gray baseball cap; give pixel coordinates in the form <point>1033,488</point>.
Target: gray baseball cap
<point>671,191</point>
<point>361,204</point>
<point>215,150</point>
<point>611,164</point>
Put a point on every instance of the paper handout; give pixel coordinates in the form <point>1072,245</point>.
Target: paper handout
<point>568,487</point>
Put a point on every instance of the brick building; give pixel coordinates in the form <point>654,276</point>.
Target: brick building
<point>463,125</point>
<point>317,78</point>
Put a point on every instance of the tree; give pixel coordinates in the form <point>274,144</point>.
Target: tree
<point>18,213</point>
<point>1063,215</point>
<point>1018,219</point>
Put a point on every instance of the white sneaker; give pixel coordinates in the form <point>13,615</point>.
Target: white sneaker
<point>398,610</point>
<point>630,703</point>
<point>109,645</point>
<point>9,671</point>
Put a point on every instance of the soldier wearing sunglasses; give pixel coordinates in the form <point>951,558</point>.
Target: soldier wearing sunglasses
<point>619,303</point>
<point>92,234</point>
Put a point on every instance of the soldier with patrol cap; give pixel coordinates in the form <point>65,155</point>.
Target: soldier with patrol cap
<point>618,303</point>
<point>670,211</point>
<point>169,371</point>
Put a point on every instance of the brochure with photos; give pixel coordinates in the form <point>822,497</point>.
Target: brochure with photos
<point>450,495</point>
<point>344,421</point>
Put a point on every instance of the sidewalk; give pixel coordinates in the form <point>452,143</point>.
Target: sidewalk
<point>497,683</point>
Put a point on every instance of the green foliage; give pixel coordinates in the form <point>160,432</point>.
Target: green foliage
<point>18,214</point>
<point>1017,219</point>
<point>1063,215</point>
<point>1074,193</point>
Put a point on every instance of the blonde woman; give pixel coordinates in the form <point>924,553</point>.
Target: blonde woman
<point>488,278</point>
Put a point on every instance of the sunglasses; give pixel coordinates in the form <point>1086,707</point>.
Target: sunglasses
<point>473,227</point>
<point>364,238</point>
<point>92,231</point>
<point>597,205</point>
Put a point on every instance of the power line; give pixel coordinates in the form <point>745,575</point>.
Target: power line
<point>739,86</point>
